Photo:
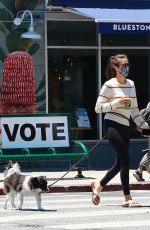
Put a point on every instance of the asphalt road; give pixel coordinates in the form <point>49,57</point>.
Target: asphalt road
<point>75,211</point>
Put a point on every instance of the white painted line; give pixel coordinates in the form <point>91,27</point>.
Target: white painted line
<point>56,207</point>
<point>140,191</point>
<point>89,213</point>
<point>102,225</point>
<point>70,206</point>
<point>83,199</point>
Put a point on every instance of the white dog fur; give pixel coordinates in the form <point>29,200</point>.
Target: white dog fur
<point>22,185</point>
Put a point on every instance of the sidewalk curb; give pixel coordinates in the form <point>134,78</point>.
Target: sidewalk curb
<point>87,188</point>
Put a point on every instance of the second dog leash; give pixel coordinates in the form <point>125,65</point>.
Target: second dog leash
<point>76,163</point>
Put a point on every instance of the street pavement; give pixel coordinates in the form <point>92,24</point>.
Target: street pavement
<point>75,211</point>
<point>71,184</point>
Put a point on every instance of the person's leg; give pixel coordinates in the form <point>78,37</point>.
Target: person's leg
<point>118,136</point>
<point>144,164</point>
<point>138,174</point>
<point>112,131</point>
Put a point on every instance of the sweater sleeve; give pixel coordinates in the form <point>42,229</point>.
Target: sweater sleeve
<point>104,103</point>
<point>135,114</point>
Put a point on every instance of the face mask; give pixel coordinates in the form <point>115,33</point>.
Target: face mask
<point>124,71</point>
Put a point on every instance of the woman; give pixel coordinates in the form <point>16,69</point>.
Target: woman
<point>118,100</point>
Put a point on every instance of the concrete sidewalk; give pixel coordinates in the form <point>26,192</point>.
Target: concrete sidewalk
<point>71,184</point>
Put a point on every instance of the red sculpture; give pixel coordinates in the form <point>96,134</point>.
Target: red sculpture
<point>18,84</point>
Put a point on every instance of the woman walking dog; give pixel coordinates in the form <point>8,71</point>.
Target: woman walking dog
<point>118,100</point>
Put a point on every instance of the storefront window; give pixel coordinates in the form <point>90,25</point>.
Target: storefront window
<point>72,74</point>
<point>22,70</point>
<point>71,33</point>
<point>125,40</point>
<point>71,88</point>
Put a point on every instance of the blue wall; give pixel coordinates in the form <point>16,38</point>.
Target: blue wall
<point>103,156</point>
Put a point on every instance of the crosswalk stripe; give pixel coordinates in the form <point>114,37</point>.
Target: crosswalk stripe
<point>101,225</point>
<point>88,199</point>
<point>64,206</point>
<point>94,217</point>
<point>79,214</point>
<point>70,206</point>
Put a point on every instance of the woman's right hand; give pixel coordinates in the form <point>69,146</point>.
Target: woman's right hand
<point>125,101</point>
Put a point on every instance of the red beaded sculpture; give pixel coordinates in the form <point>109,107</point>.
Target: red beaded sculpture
<point>18,84</point>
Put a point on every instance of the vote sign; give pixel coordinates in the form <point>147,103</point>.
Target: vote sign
<point>34,132</point>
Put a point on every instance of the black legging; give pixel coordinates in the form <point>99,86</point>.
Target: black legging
<point>118,135</point>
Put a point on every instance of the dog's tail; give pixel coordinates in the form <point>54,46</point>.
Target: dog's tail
<point>12,168</point>
<point>16,168</point>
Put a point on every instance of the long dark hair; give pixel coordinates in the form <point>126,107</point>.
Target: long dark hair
<point>113,60</point>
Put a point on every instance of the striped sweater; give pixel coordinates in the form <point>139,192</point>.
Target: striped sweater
<point>108,102</point>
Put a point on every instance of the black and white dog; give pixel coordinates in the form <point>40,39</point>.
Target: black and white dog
<point>22,185</point>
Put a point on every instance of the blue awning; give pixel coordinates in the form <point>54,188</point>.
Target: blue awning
<point>116,15</point>
<point>118,4</point>
<point>119,20</point>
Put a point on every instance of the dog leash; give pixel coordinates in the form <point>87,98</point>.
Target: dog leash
<point>77,162</point>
